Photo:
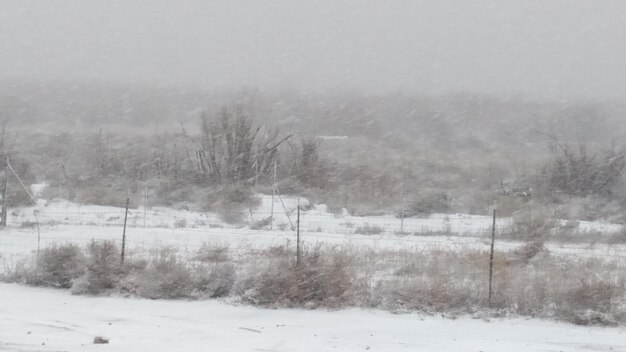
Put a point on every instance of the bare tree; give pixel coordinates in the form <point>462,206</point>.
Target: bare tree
<point>580,172</point>
<point>234,150</point>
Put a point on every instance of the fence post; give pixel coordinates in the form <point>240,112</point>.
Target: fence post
<point>3,220</point>
<point>124,233</point>
<point>145,207</point>
<point>493,239</point>
<point>38,236</point>
<point>298,237</point>
<point>273,195</point>
<point>403,201</point>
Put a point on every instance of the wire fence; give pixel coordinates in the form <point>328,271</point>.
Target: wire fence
<point>33,228</point>
<point>386,246</point>
<point>312,221</point>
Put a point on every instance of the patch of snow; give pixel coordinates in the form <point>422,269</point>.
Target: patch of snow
<point>329,138</point>
<point>37,189</point>
<point>37,319</point>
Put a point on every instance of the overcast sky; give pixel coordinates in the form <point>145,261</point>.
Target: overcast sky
<point>539,48</point>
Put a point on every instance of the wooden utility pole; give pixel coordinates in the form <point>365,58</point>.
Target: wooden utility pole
<point>493,239</point>
<point>124,233</point>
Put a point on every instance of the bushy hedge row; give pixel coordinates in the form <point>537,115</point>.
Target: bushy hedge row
<point>527,281</point>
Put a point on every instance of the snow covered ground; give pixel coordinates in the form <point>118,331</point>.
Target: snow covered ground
<point>314,218</point>
<point>36,319</point>
<point>63,221</point>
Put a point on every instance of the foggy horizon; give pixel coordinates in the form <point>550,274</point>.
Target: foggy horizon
<point>563,50</point>
<point>329,175</point>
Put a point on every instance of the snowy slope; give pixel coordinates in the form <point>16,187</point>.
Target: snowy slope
<point>34,319</point>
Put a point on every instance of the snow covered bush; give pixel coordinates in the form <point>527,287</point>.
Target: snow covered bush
<point>212,252</point>
<point>429,202</point>
<point>368,229</point>
<point>232,200</point>
<point>322,278</point>
<point>215,281</point>
<point>57,266</point>
<point>432,281</point>
<point>103,270</point>
<point>527,281</point>
<point>580,171</point>
<point>166,276</point>
<point>532,223</point>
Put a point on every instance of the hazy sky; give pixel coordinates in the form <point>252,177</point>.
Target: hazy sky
<point>539,48</point>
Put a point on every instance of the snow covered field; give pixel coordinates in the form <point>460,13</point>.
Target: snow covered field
<point>62,221</point>
<point>315,218</point>
<point>36,319</point>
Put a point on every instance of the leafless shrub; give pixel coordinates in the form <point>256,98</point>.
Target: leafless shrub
<point>233,200</point>
<point>261,224</point>
<point>591,294</point>
<point>532,223</point>
<point>103,270</point>
<point>591,317</point>
<point>279,251</point>
<point>28,224</point>
<point>180,223</point>
<point>320,279</point>
<point>166,276</point>
<point>234,150</point>
<point>526,281</point>
<point>216,281</point>
<point>434,281</point>
<point>528,251</point>
<point>368,229</point>
<point>581,172</point>
<point>429,202</point>
<point>102,193</point>
<point>212,253</point>
<point>57,266</point>
<point>199,223</point>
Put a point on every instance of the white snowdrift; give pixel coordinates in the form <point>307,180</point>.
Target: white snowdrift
<point>34,319</point>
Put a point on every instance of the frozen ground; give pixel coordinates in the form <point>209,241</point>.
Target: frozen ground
<point>314,218</point>
<point>36,319</point>
<point>62,221</point>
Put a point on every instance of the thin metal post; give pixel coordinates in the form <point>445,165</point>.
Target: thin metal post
<point>493,239</point>
<point>3,220</point>
<point>124,233</point>
<point>298,237</point>
<point>38,234</point>
<point>145,207</point>
<point>403,202</point>
<point>273,195</point>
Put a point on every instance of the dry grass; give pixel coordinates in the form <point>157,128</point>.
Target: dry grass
<point>212,253</point>
<point>320,278</point>
<point>527,281</point>
<point>368,229</point>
